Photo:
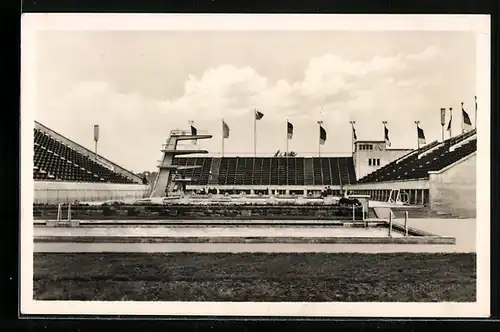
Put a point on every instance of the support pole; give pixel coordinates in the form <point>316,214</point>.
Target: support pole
<point>287,137</point>
<point>255,132</point>
<point>352,135</point>
<point>222,137</point>
<point>353,212</point>
<point>443,122</point>
<point>390,223</point>
<point>319,149</point>
<point>406,223</point>
<point>475,111</point>
<point>58,211</point>
<point>463,129</point>
<point>451,119</point>
<point>418,139</point>
<point>319,140</point>
<point>69,212</point>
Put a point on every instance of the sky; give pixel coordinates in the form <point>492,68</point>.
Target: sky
<point>139,85</point>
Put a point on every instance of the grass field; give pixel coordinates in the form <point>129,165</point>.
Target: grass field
<point>310,277</point>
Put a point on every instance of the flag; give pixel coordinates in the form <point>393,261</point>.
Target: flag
<point>194,132</point>
<point>258,115</point>
<point>466,119</point>
<point>225,130</point>
<point>387,140</point>
<point>449,123</point>
<point>322,135</point>
<point>354,133</point>
<point>421,136</point>
<point>289,130</point>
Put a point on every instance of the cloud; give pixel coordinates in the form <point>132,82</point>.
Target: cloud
<point>332,87</point>
<point>429,53</point>
<point>328,80</point>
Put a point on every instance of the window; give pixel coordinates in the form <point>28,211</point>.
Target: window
<point>366,147</point>
<point>378,162</point>
<point>369,162</point>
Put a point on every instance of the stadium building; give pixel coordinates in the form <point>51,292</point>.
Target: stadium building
<point>439,177</point>
<point>65,171</point>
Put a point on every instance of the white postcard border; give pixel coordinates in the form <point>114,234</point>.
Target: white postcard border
<point>480,24</point>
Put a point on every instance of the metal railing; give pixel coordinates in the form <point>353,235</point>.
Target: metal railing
<point>392,217</point>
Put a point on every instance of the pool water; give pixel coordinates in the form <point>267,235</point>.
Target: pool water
<point>217,231</point>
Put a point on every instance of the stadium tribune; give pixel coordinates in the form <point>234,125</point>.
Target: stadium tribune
<point>93,217</point>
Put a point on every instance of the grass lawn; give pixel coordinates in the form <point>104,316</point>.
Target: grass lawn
<point>310,277</point>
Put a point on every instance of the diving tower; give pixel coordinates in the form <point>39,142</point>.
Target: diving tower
<point>166,178</point>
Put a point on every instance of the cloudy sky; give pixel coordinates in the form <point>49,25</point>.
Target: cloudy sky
<point>140,85</point>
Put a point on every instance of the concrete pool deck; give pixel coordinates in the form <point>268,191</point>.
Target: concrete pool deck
<point>463,230</point>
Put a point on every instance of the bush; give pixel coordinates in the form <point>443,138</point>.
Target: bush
<point>132,212</point>
<point>107,211</point>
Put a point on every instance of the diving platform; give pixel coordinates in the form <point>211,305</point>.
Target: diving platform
<point>167,179</point>
<point>192,137</point>
<point>182,168</point>
<point>183,152</point>
<point>187,180</point>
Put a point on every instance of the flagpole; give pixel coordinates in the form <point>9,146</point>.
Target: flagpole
<point>475,111</point>
<point>352,134</point>
<point>443,122</point>
<point>286,137</point>
<point>255,133</point>
<point>222,137</point>
<point>384,123</point>
<point>418,139</point>
<point>451,121</point>
<point>319,141</point>
<point>463,117</point>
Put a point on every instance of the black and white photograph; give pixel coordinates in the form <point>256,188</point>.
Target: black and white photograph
<point>255,165</point>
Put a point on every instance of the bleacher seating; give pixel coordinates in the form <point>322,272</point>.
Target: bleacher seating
<point>283,171</point>
<point>199,175</point>
<point>432,157</point>
<point>55,161</point>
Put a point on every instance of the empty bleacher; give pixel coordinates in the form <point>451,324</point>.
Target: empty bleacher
<point>200,175</point>
<point>432,157</point>
<point>283,171</point>
<point>55,161</point>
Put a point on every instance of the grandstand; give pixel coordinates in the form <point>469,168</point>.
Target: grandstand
<point>270,171</point>
<point>434,176</point>
<point>440,176</point>
<point>65,171</point>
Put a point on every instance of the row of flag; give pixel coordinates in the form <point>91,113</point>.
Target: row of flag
<point>467,125</point>
<point>259,116</point>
